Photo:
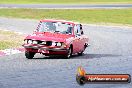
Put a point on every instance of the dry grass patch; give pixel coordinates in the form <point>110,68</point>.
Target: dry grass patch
<point>10,39</point>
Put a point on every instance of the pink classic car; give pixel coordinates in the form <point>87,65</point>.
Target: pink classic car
<point>56,37</point>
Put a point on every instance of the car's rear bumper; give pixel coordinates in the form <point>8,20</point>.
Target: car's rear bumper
<point>45,50</point>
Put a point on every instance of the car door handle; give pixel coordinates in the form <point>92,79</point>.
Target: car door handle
<point>79,38</point>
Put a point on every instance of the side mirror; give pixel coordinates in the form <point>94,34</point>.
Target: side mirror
<point>82,32</point>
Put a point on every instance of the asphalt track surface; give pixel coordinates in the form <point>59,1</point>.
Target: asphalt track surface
<point>70,6</point>
<point>110,52</point>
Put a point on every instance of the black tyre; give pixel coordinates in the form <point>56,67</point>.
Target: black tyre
<point>80,53</point>
<point>29,55</point>
<point>69,53</point>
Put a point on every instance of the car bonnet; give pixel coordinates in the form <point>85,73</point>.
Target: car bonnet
<point>48,36</point>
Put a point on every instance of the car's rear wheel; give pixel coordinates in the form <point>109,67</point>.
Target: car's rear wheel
<point>29,55</point>
<point>82,52</point>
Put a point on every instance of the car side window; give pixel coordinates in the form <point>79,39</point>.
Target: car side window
<point>77,30</point>
<point>81,29</point>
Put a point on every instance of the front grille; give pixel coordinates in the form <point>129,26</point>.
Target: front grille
<point>48,43</point>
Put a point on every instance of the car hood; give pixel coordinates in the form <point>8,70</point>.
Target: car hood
<point>47,36</point>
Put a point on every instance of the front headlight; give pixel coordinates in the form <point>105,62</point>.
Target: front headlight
<point>58,44</point>
<point>30,41</point>
<point>35,42</point>
<point>53,43</point>
<point>25,41</point>
<point>44,42</point>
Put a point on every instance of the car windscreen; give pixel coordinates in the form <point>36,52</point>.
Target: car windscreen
<point>59,27</point>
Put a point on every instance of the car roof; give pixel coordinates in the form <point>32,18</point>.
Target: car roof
<point>52,20</point>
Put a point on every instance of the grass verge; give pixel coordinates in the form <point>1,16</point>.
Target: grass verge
<point>117,16</point>
<point>10,40</point>
<point>64,1</point>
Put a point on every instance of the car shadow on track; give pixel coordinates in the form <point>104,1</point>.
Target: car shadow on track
<point>84,56</point>
<point>91,56</point>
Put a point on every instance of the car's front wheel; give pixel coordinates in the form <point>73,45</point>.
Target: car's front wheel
<point>29,55</point>
<point>69,53</point>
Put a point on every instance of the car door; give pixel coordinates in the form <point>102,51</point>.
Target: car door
<point>83,38</point>
<point>80,38</point>
<point>77,42</point>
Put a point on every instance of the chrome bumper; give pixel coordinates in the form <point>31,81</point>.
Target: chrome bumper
<point>39,47</point>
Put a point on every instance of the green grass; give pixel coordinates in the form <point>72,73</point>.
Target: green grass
<point>63,1</point>
<point>10,40</point>
<point>118,16</point>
